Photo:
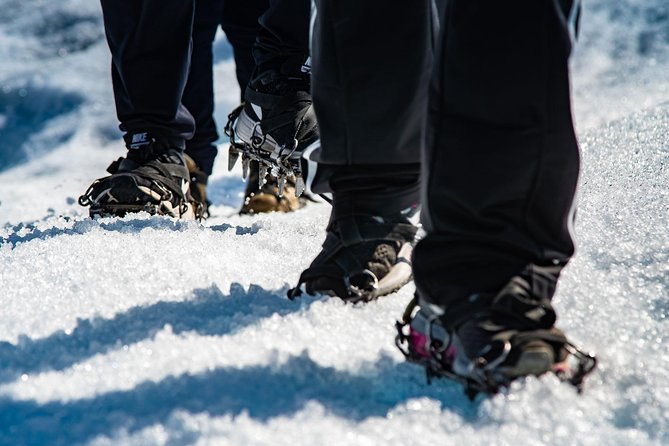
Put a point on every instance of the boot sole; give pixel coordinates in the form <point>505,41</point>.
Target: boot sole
<point>398,276</point>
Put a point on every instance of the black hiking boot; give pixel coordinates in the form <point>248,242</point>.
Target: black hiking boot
<point>362,258</point>
<point>492,339</point>
<point>153,178</point>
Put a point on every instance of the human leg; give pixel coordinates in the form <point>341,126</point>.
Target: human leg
<point>276,122</point>
<point>372,125</point>
<point>150,43</point>
<point>500,172</point>
<point>240,21</point>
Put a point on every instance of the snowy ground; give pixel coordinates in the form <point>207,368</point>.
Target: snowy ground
<point>148,331</point>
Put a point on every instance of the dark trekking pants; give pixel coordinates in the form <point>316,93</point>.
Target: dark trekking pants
<point>162,65</point>
<point>500,160</point>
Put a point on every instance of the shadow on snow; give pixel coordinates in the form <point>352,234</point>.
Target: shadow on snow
<point>261,392</point>
<point>209,313</point>
<point>24,112</point>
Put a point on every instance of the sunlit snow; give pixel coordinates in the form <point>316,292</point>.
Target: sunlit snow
<point>150,331</point>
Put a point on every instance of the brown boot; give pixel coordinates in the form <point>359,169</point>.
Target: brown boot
<point>198,188</point>
<point>152,178</point>
<point>266,199</point>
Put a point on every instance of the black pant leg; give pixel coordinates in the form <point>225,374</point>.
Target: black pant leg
<point>283,39</point>
<point>198,95</point>
<point>241,26</point>
<point>502,162</point>
<point>240,22</point>
<point>150,42</point>
<point>371,67</point>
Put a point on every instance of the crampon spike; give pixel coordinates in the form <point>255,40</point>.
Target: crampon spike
<point>299,185</point>
<point>233,156</point>
<point>262,173</point>
<point>246,161</point>
<point>281,182</point>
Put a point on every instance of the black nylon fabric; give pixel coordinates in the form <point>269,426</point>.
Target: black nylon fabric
<point>283,36</point>
<point>162,65</point>
<point>502,162</point>
<point>500,157</point>
<point>524,303</point>
<point>150,43</point>
<point>239,20</point>
<point>371,65</point>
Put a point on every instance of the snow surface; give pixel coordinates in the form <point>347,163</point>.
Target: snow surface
<point>149,331</point>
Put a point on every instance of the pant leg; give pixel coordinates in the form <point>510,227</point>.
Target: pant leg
<point>371,68</point>
<point>150,43</point>
<point>240,22</point>
<point>198,95</point>
<point>283,39</point>
<point>501,162</point>
<point>241,26</point>
<point>371,64</point>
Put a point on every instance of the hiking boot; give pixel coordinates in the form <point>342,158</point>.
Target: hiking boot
<point>198,188</point>
<point>266,198</point>
<point>510,334</point>
<point>362,258</point>
<point>484,358</point>
<point>274,125</point>
<point>278,110</point>
<point>152,178</point>
<point>492,339</point>
<point>494,355</point>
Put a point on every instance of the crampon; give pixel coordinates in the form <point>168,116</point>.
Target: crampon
<point>424,341</point>
<point>157,184</point>
<point>248,141</point>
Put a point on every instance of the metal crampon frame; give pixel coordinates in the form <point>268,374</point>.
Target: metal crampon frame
<point>248,141</point>
<point>481,377</point>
